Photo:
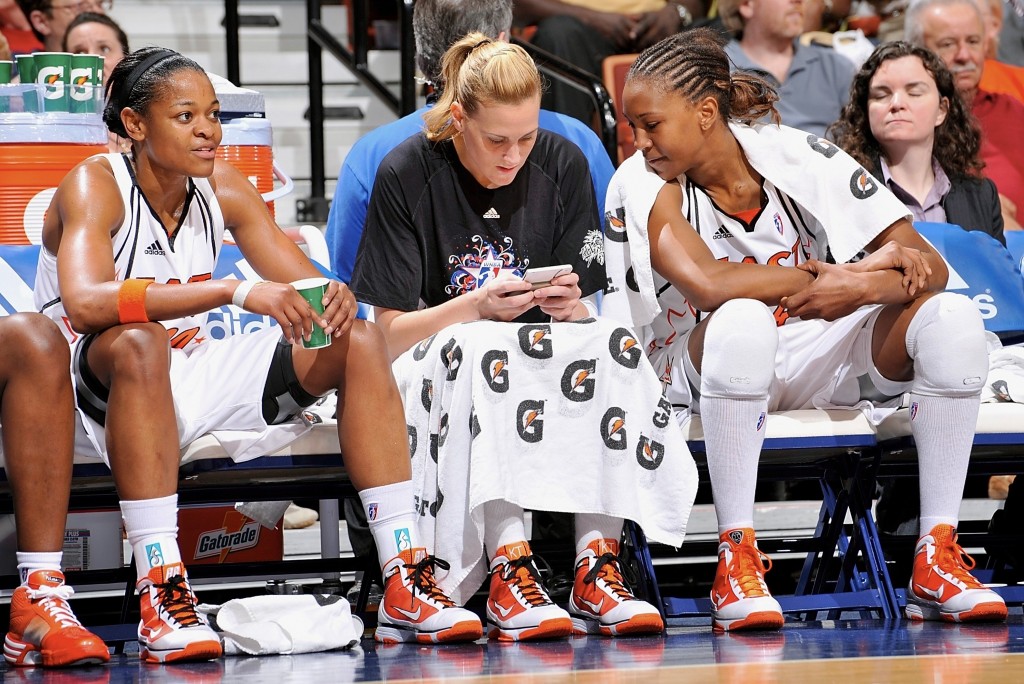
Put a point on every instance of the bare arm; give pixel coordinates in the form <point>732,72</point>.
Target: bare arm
<point>679,254</point>
<point>616,27</point>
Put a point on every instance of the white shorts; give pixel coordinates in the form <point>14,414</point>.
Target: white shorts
<point>217,389</point>
<point>818,364</point>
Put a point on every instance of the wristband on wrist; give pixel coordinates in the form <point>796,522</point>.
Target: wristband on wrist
<point>242,291</point>
<point>131,301</point>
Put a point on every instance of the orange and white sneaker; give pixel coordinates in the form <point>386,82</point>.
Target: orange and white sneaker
<point>942,587</point>
<point>415,609</point>
<point>739,597</point>
<point>602,602</point>
<point>171,630</point>
<point>518,606</point>
<point>44,631</point>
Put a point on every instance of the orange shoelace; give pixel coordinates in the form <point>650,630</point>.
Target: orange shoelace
<point>748,567</point>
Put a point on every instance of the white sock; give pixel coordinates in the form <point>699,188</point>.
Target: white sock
<point>593,526</point>
<point>391,516</point>
<point>152,529</point>
<point>30,561</point>
<point>503,525</point>
<point>733,434</point>
<point>943,428</point>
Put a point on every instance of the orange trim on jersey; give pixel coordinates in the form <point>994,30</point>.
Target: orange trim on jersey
<point>131,301</point>
<point>747,215</point>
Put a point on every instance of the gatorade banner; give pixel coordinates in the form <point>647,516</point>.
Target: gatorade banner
<point>983,270</point>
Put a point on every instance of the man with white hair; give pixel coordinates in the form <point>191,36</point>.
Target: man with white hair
<point>955,31</point>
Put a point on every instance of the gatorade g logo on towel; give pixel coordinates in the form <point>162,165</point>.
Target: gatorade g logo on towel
<point>436,506</point>
<point>451,357</point>
<point>613,428</point>
<point>474,423</point>
<point>578,380</point>
<point>403,540</point>
<point>822,146</point>
<point>649,454</point>
<point>624,348</point>
<point>154,555</point>
<point>427,394</point>
<point>862,185</point>
<point>494,366</point>
<point>615,226</point>
<point>535,341</point>
<point>412,440</point>
<point>631,280</point>
<point>662,414</point>
<point>437,439</point>
<point>530,421</point>
<point>53,77</point>
<point>421,349</point>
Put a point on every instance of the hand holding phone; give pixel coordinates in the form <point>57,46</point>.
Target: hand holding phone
<point>543,275</point>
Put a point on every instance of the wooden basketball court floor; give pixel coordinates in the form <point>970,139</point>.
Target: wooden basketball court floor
<point>853,650</point>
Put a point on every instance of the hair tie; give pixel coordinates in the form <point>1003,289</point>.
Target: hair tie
<point>138,72</point>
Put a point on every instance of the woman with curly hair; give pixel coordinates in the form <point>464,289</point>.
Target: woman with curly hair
<point>905,123</point>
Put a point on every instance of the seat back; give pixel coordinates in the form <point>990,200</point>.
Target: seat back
<point>613,72</point>
<point>1015,244</point>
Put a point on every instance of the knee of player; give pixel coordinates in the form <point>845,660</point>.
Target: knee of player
<point>946,340</point>
<point>139,348</point>
<point>34,337</point>
<point>368,342</point>
<point>739,350</point>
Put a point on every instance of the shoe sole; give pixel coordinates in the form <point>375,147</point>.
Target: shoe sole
<point>766,619</point>
<point>199,650</point>
<point>467,630</point>
<point>555,628</point>
<point>635,626</point>
<point>23,654</point>
<point>990,611</point>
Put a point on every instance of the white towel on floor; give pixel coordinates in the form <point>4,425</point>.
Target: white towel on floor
<point>273,624</point>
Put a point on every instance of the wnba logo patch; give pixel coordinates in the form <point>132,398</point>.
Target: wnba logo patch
<point>155,555</point>
<point>371,511</point>
<point>777,220</point>
<point>913,411</point>
<point>760,421</point>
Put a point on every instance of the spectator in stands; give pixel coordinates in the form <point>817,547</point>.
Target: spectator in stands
<point>37,459</point>
<point>15,31</point>
<point>906,124</point>
<point>97,34</point>
<point>584,32</point>
<point>50,18</point>
<point>812,81</point>
<point>997,76</point>
<point>1011,33</point>
<point>134,239</point>
<point>954,30</point>
<point>740,219</point>
<point>565,416</point>
<point>437,24</point>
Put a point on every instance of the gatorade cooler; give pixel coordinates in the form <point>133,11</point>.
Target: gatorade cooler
<point>36,152</point>
<point>248,140</point>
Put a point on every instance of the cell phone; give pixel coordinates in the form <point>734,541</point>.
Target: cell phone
<point>542,276</point>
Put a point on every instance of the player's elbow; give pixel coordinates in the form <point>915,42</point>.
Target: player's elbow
<point>85,315</point>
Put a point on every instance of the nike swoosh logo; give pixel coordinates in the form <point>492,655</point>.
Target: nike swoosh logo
<point>935,594</point>
<point>411,615</point>
<point>594,607</point>
<point>502,609</point>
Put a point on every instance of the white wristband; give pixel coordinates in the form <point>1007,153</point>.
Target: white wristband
<point>242,291</point>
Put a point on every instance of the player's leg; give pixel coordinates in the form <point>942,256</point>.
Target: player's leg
<point>37,414</point>
<point>374,440</point>
<point>123,379</point>
<point>602,601</point>
<point>939,342</point>
<point>733,364</point>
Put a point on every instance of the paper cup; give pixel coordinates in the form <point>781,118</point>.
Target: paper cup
<point>53,71</point>
<point>27,74</point>
<point>85,81</point>
<point>313,291</point>
<point>6,72</point>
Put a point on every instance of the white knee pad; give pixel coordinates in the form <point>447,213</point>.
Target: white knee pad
<point>739,351</point>
<point>946,340</point>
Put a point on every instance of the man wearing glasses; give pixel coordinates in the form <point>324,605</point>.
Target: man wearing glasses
<point>50,18</point>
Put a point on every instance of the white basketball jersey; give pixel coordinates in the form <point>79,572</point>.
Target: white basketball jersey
<point>143,249</point>
<point>782,233</point>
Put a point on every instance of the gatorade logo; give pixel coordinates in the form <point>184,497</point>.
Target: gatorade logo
<point>403,540</point>
<point>81,84</point>
<point>53,78</point>
<point>155,555</point>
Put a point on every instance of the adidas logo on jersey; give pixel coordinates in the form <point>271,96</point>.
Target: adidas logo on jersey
<point>155,249</point>
<point>722,232</point>
<point>492,214</point>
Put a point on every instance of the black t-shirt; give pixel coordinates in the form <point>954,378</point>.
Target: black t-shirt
<point>433,232</point>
